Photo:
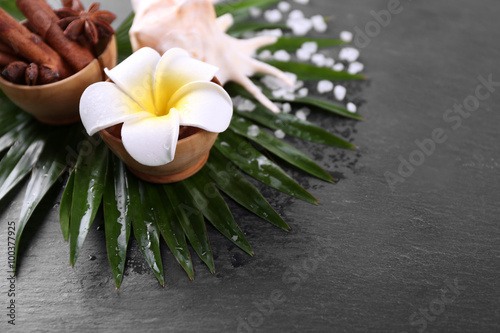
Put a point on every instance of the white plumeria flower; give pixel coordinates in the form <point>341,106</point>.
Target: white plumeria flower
<point>152,96</point>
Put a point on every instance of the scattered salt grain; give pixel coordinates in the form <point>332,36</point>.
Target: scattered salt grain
<point>265,55</point>
<point>329,62</point>
<point>318,23</point>
<point>295,14</point>
<point>351,107</point>
<point>284,6</point>
<point>301,114</point>
<point>338,67</point>
<point>324,86</point>
<point>289,96</point>
<point>318,59</point>
<point>246,105</point>
<point>279,134</point>
<point>255,12</point>
<point>271,82</point>
<point>339,92</point>
<point>273,15</point>
<point>286,108</point>
<point>253,130</point>
<point>311,47</point>
<point>270,32</point>
<point>298,84</point>
<point>303,55</point>
<point>355,67</point>
<point>349,54</point>
<point>302,2</point>
<point>292,77</point>
<point>300,26</point>
<point>303,92</point>
<point>346,36</point>
<point>281,55</point>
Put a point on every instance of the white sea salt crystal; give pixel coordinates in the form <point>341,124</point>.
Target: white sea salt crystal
<point>255,12</point>
<point>289,96</point>
<point>273,15</point>
<point>310,46</point>
<point>324,86</point>
<point>303,55</point>
<point>270,32</point>
<point>318,23</point>
<point>298,84</point>
<point>301,114</point>
<point>302,2</point>
<point>295,14</point>
<point>265,55</point>
<point>301,27</point>
<point>349,54</point>
<point>338,67</point>
<point>246,106</point>
<point>284,6</point>
<point>329,62</point>
<point>339,92</point>
<point>351,107</point>
<point>303,92</point>
<point>279,134</point>
<point>286,108</point>
<point>253,130</point>
<point>318,59</point>
<point>271,82</point>
<point>293,78</point>
<point>279,93</point>
<point>346,36</point>
<point>355,67</point>
<point>281,55</point>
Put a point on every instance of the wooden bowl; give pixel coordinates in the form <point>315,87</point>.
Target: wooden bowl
<point>58,103</point>
<point>191,155</point>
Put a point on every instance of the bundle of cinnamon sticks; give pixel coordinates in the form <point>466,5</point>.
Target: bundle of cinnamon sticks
<point>51,45</point>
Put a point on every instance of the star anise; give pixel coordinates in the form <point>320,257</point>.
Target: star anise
<point>93,23</point>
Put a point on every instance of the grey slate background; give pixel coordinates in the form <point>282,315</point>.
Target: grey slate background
<point>370,257</point>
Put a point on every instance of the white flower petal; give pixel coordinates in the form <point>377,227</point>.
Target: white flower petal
<point>203,104</point>
<point>103,105</point>
<point>135,75</point>
<point>175,69</point>
<point>152,141</point>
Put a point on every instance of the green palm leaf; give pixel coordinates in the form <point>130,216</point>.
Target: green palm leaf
<point>191,221</point>
<point>10,7</point>
<point>209,201</point>
<point>227,178</point>
<point>294,126</point>
<point>144,225</point>
<point>65,208</point>
<point>117,223</point>
<point>90,171</point>
<point>279,148</point>
<point>20,158</point>
<point>170,229</point>
<point>122,38</point>
<point>240,28</point>
<point>241,9</point>
<point>251,161</point>
<point>49,168</point>
<point>293,43</point>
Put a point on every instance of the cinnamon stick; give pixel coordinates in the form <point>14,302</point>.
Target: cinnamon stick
<point>45,21</point>
<point>6,58</point>
<point>28,45</point>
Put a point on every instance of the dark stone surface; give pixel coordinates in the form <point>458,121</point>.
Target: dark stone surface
<point>423,254</point>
